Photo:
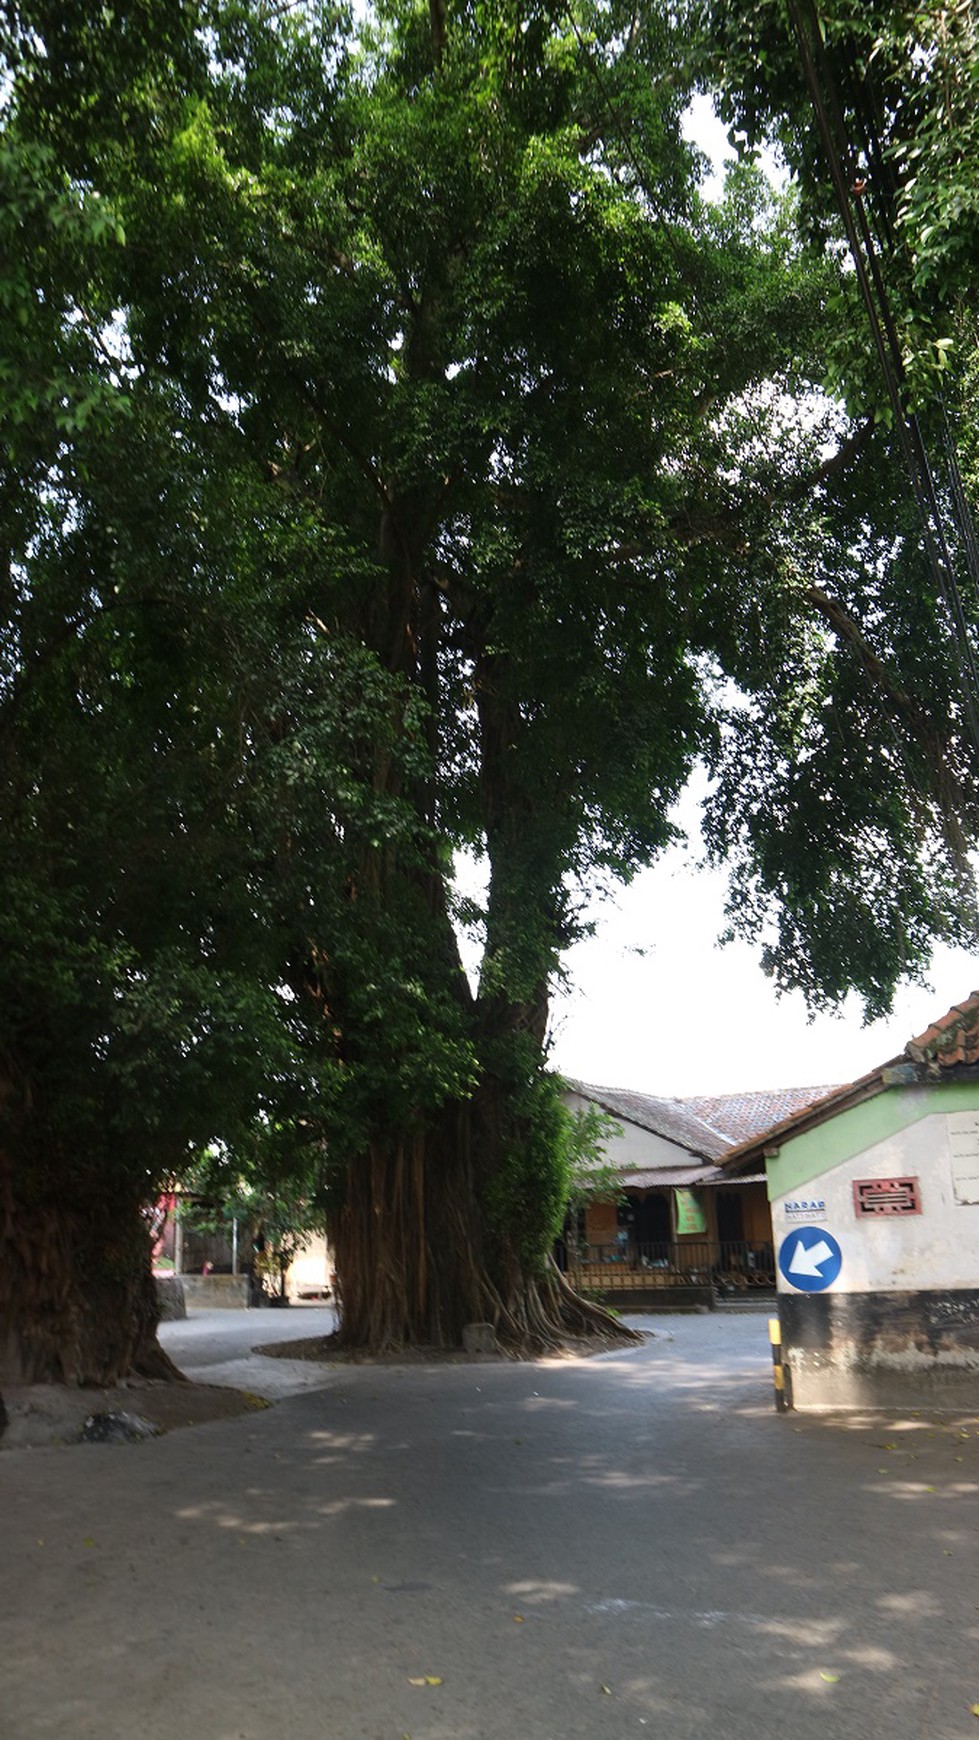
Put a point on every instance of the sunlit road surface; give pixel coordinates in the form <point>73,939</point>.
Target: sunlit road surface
<point>561,1551</point>
<point>224,1347</point>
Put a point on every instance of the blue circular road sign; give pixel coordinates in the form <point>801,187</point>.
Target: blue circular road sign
<point>810,1259</point>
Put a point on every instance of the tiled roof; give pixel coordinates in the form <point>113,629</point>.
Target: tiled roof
<point>754,1148</point>
<point>951,1041</point>
<point>739,1127</point>
<point>706,1124</point>
<point>647,1177</point>
<point>672,1119</point>
<point>741,1116</point>
<point>678,1176</point>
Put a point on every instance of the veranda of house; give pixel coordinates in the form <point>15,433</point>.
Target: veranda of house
<point>667,1237</point>
<point>678,1228</point>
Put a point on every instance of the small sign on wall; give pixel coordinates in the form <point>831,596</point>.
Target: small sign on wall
<point>808,1208</point>
<point>963,1141</point>
<point>877,1196</point>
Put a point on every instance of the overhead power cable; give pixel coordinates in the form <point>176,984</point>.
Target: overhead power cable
<point>867,264</point>
<point>856,196</point>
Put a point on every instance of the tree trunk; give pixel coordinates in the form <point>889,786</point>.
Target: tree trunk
<point>418,1256</point>
<point>77,1299</point>
<point>441,1221</point>
<point>409,1268</point>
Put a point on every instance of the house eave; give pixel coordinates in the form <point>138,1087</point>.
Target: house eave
<point>866,1087</point>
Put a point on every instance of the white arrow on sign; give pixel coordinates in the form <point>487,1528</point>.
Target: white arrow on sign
<point>808,1262</point>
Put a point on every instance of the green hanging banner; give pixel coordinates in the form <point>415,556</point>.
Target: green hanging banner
<point>690,1217</point>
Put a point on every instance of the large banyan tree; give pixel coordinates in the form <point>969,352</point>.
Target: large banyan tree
<point>417,464</point>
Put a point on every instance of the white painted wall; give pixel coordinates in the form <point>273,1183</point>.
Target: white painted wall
<point>635,1149</point>
<point>937,1249</point>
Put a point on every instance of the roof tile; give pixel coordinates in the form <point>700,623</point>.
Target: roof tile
<point>708,1125</point>
<point>743,1115</point>
<point>952,1041</point>
<point>949,1043</point>
<point>672,1119</point>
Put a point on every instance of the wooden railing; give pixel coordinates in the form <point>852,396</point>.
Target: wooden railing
<point>729,1266</point>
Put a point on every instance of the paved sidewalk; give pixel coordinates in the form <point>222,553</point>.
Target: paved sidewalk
<point>218,1347</point>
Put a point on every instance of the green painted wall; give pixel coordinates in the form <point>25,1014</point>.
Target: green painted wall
<point>808,1156</point>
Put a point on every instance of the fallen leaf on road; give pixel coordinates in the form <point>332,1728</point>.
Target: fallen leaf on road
<point>433,1679</point>
<point>974,1709</point>
<point>831,1679</point>
<point>518,1619</point>
<point>607,1690</point>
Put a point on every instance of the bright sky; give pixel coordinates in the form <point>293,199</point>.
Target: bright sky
<point>653,1003</point>
<point>687,1017</point>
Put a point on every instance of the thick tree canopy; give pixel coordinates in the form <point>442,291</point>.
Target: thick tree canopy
<point>874,111</point>
<point>403,457</point>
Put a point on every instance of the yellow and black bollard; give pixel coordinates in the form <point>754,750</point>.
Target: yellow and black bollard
<point>778,1369</point>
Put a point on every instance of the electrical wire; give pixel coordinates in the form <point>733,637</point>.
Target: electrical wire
<point>852,200</point>
<point>865,255</point>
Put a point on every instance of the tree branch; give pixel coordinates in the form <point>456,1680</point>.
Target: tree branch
<point>848,450</point>
<point>954,801</point>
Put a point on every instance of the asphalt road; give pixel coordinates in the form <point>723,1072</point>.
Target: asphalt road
<point>565,1551</point>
